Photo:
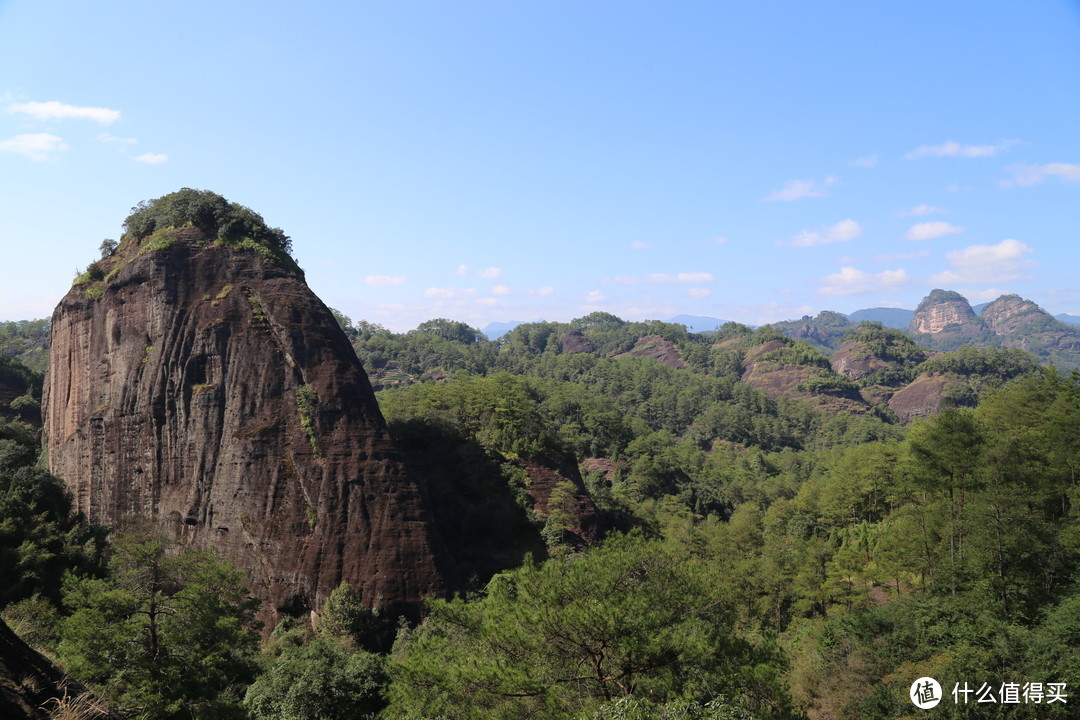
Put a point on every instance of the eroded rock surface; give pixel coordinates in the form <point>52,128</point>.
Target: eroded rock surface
<point>941,309</point>
<point>1011,312</point>
<point>657,348</point>
<point>208,388</point>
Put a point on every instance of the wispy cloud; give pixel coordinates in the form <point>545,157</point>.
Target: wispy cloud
<point>852,281</point>
<point>921,210</point>
<point>699,293</point>
<point>55,110</point>
<point>931,230</point>
<point>867,162</point>
<point>594,296</point>
<point>39,147</point>
<point>843,231</point>
<point>955,149</point>
<point>500,290</point>
<point>638,245</point>
<point>900,256</point>
<point>977,264</point>
<point>988,294</point>
<point>721,240</point>
<point>489,273</point>
<point>798,189</point>
<point>384,280</point>
<point>542,292</point>
<point>1025,175</point>
<point>447,293</point>
<point>152,158</point>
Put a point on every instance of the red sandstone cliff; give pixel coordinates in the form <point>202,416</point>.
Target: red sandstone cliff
<point>179,388</point>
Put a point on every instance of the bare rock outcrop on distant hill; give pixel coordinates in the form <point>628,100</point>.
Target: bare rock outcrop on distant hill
<point>853,361</point>
<point>1011,312</point>
<point>545,473</point>
<point>919,399</point>
<point>574,341</point>
<point>656,347</point>
<point>207,387</point>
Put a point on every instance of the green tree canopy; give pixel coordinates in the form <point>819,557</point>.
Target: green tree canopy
<point>631,618</point>
<point>163,635</point>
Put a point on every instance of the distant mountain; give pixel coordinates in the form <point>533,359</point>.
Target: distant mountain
<point>698,323</point>
<point>1068,319</point>
<point>945,321</point>
<point>496,330</point>
<point>823,331</point>
<point>978,309</point>
<point>898,318</point>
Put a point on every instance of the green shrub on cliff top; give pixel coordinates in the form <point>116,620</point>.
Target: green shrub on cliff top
<point>228,222</point>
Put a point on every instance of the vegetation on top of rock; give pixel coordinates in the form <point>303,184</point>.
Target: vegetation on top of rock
<point>1000,363</point>
<point>886,343</point>
<point>228,222</point>
<point>937,295</point>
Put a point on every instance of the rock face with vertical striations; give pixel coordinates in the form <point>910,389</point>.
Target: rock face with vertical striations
<point>197,380</point>
<point>941,309</point>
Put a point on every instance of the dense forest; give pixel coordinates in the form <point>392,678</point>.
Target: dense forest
<point>777,542</point>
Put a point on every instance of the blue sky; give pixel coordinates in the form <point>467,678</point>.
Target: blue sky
<point>492,161</point>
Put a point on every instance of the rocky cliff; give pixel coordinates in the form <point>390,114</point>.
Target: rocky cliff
<point>947,322</point>
<point>941,309</point>
<point>203,384</point>
<point>1011,312</point>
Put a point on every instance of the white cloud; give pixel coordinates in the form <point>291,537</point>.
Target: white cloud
<point>638,245</point>
<point>921,210</point>
<point>797,189</point>
<point>61,111</point>
<point>900,256</point>
<point>449,292</point>
<point>500,290</point>
<point>852,281</point>
<point>36,146</point>
<point>594,296</point>
<point>152,158</point>
<point>659,278</point>
<point>977,264</point>
<point>867,162</point>
<point>1025,175</point>
<point>384,280</point>
<point>488,273</point>
<point>931,230</point>
<point>989,294</point>
<point>699,293</point>
<point>955,149</point>
<point>621,280</point>
<point>462,269</point>
<point>542,291</point>
<point>843,231</point>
